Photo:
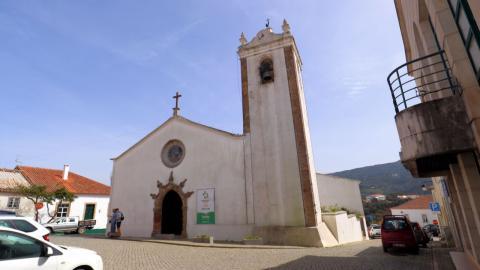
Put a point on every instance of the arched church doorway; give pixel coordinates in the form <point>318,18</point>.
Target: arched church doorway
<point>172,215</point>
<point>170,209</point>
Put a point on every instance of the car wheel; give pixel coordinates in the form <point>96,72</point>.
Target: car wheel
<point>83,268</point>
<point>385,249</point>
<point>81,230</point>
<point>50,230</point>
<point>415,250</point>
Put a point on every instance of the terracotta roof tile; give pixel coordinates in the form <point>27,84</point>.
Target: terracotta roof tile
<point>421,202</point>
<point>53,180</point>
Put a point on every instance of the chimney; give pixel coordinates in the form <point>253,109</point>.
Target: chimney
<point>66,169</point>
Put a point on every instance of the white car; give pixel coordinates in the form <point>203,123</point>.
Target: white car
<point>25,224</point>
<point>70,224</point>
<point>20,251</point>
<point>375,231</point>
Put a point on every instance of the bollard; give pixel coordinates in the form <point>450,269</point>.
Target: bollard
<point>211,240</point>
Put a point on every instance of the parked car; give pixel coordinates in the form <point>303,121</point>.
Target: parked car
<point>7,212</point>
<point>420,235</point>
<point>69,224</point>
<point>375,231</point>
<point>20,251</point>
<point>26,225</point>
<point>431,230</point>
<point>397,232</point>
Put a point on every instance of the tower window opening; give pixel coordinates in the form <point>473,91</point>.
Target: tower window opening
<point>266,71</point>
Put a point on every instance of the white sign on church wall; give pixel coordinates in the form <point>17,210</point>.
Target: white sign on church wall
<point>206,206</point>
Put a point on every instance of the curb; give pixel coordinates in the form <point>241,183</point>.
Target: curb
<point>191,244</point>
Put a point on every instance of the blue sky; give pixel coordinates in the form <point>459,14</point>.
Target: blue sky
<point>81,81</point>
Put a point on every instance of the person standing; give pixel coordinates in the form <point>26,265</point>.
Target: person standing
<point>113,223</point>
<point>119,218</point>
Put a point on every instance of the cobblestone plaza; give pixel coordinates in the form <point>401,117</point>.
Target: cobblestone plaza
<point>123,254</point>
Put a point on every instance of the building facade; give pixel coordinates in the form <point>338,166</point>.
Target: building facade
<point>446,220</point>
<point>417,210</point>
<point>185,179</point>
<point>91,197</point>
<point>436,96</point>
<point>9,199</point>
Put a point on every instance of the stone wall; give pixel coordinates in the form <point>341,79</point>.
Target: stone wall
<point>339,191</point>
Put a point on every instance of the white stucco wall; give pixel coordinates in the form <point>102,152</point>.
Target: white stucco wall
<point>415,215</point>
<point>26,207</point>
<point>77,209</point>
<point>275,173</point>
<point>345,228</point>
<point>311,160</point>
<point>101,209</point>
<point>339,191</point>
<point>213,159</point>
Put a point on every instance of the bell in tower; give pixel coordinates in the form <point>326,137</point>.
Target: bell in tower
<point>266,71</point>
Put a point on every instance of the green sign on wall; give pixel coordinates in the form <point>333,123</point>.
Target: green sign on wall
<point>206,218</point>
<point>206,206</point>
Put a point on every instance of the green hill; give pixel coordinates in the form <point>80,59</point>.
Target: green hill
<point>388,178</point>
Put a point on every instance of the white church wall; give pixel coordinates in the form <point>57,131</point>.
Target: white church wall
<point>213,159</point>
<point>248,179</point>
<point>221,231</point>
<point>339,191</point>
<point>276,180</point>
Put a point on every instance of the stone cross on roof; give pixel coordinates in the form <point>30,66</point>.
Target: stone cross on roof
<point>176,109</point>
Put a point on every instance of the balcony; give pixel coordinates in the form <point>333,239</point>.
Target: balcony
<point>430,115</point>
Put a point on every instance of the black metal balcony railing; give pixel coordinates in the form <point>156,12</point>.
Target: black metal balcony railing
<point>428,78</point>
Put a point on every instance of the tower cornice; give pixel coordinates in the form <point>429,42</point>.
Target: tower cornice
<point>267,40</point>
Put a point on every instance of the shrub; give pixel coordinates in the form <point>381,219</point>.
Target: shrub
<point>252,237</point>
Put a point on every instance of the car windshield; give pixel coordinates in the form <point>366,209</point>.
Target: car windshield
<point>376,226</point>
<point>23,225</point>
<point>394,224</point>
<point>54,220</point>
<point>18,224</point>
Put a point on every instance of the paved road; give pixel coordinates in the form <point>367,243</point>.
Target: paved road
<point>122,254</point>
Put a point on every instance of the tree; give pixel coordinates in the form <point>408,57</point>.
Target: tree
<point>62,195</point>
<point>39,194</point>
<point>36,194</point>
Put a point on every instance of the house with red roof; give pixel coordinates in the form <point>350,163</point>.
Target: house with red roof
<point>92,197</point>
<point>9,199</point>
<point>417,210</point>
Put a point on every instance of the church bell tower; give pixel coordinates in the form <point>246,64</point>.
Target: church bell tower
<point>278,153</point>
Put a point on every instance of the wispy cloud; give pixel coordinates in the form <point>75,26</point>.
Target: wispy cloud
<point>355,86</point>
<point>142,51</point>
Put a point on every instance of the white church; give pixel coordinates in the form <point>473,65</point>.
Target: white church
<point>186,179</point>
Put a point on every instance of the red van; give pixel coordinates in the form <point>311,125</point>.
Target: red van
<point>398,232</point>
